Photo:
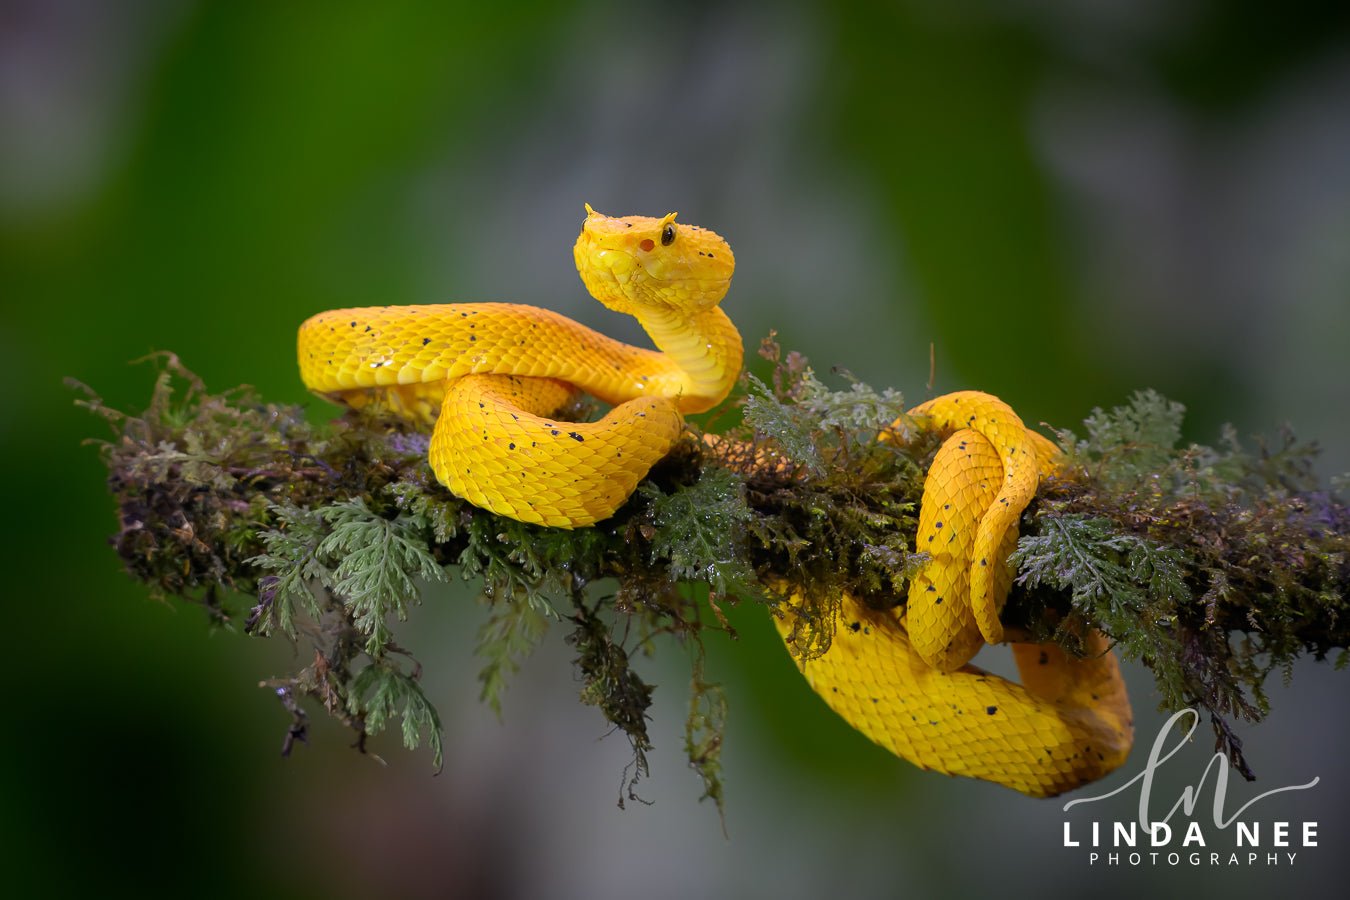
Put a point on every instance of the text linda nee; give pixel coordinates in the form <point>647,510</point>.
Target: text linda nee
<point>1247,833</point>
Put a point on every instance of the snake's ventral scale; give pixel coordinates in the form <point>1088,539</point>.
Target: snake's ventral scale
<point>487,378</point>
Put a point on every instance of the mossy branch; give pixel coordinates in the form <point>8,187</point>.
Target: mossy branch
<point>1212,566</point>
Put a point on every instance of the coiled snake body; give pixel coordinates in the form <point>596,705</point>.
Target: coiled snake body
<point>488,376</point>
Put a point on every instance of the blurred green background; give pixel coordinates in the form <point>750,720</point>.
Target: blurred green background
<point>1070,201</point>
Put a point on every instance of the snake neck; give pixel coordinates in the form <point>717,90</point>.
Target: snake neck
<point>705,351</point>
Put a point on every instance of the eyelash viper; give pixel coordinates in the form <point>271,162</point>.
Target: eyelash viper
<point>487,377</point>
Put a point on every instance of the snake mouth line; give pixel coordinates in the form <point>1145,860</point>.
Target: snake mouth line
<point>625,268</point>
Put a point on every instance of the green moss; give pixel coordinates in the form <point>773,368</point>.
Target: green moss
<point>327,535</point>
<point>1171,548</point>
<point>609,682</point>
<point>515,626</point>
<point>382,692</point>
<point>704,729</point>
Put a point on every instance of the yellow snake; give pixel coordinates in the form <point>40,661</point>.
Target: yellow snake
<point>487,377</point>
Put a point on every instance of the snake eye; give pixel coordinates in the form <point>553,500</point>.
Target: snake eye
<point>667,235</point>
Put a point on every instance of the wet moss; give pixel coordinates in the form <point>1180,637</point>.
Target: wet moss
<point>326,534</point>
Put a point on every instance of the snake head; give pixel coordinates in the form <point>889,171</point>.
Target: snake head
<point>636,264</point>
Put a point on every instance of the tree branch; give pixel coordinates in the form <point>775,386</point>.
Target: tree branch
<point>1168,548</point>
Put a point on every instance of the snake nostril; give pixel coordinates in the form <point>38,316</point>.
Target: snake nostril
<point>647,245</point>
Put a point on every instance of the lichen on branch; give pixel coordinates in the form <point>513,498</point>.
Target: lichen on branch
<point>327,534</point>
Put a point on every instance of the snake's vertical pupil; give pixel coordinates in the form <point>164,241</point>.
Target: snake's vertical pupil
<point>667,235</point>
